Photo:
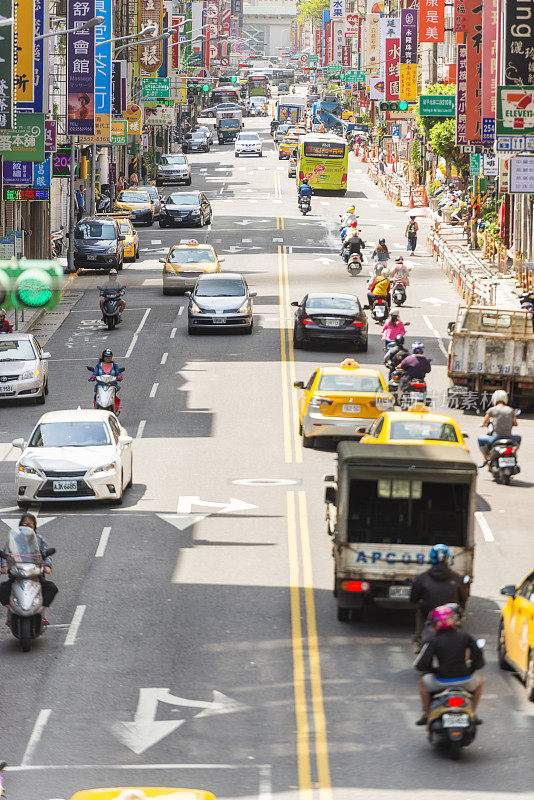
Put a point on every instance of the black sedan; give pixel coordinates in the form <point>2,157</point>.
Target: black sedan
<point>196,141</point>
<point>330,317</point>
<point>185,208</point>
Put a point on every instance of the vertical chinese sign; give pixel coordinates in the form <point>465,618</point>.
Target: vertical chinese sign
<point>40,72</point>
<point>392,69</point>
<point>474,70</point>
<point>489,57</point>
<point>432,21</point>
<point>518,53</point>
<point>373,41</point>
<point>6,67</point>
<point>103,33</point>
<point>24,33</point>
<point>408,36</point>
<point>460,17</point>
<point>211,47</point>
<point>150,55</point>
<point>461,95</point>
<point>80,70</point>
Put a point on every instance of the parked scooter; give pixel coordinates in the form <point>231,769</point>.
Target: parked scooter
<point>398,293</point>
<point>354,265</point>
<point>25,567</point>
<point>110,311</point>
<point>502,458</point>
<point>57,240</point>
<point>106,392</point>
<point>526,300</point>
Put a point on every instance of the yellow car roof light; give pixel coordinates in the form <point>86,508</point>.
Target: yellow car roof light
<point>349,363</point>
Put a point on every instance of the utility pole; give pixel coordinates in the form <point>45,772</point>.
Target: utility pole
<point>70,251</point>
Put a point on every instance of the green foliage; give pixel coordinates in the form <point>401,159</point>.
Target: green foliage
<point>312,9</point>
<point>442,139</point>
<point>416,154</point>
<point>425,124</point>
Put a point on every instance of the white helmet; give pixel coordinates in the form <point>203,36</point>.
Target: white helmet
<point>499,396</point>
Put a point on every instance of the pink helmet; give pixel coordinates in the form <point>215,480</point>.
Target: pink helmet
<point>443,617</point>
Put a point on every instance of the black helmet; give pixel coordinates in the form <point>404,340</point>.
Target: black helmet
<point>304,180</point>
<point>399,339</point>
<point>107,355</point>
<point>381,241</point>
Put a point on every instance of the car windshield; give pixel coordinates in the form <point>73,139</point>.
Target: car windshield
<point>17,350</point>
<point>196,135</point>
<point>172,160</point>
<point>151,191</point>
<point>192,256</point>
<point>350,383</point>
<point>95,230</point>
<point>252,137</point>
<point>133,197</point>
<point>125,228</point>
<point>418,430</point>
<point>330,302</point>
<point>220,288</point>
<point>183,199</point>
<point>70,434</point>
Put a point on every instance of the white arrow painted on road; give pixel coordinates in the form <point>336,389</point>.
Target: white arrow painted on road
<point>325,260</point>
<point>434,301</point>
<point>182,521</point>
<point>13,523</point>
<point>145,731</point>
<point>185,503</point>
<point>386,227</point>
<point>236,249</point>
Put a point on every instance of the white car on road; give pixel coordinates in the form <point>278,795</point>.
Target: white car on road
<point>84,454</point>
<point>248,143</point>
<point>23,368</point>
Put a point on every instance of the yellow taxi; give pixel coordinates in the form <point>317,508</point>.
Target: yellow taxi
<point>415,426</point>
<point>138,203</point>
<point>516,632</point>
<point>287,144</point>
<point>185,262</point>
<point>297,130</point>
<point>346,115</point>
<point>338,399</point>
<point>143,793</point>
<point>131,239</point>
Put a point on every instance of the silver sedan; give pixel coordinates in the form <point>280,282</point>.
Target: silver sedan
<point>23,368</point>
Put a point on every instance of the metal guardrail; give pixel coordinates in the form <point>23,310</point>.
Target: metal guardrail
<point>474,283</point>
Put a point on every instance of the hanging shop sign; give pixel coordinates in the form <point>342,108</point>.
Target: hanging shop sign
<point>432,21</point>
<point>408,82</point>
<point>6,67</point>
<point>518,51</point>
<point>461,94</point>
<point>103,33</point>
<point>17,173</point>
<point>42,173</point>
<point>26,195</point>
<point>373,41</point>
<point>80,70</point>
<point>336,9</point>
<point>392,69</point>
<point>408,36</point>
<point>159,115</point>
<point>27,142</point>
<point>377,88</point>
<point>119,131</point>
<point>24,33</point>
<point>515,110</point>
<point>40,70</point>
<point>490,12</point>
<point>50,135</point>
<point>522,174</point>
<point>474,70</point>
<point>102,131</point>
<point>460,17</point>
<point>150,55</point>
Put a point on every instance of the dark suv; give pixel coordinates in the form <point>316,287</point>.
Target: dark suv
<point>98,243</point>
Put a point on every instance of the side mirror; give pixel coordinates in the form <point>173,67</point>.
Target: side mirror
<point>121,369</point>
<point>46,354</point>
<point>50,552</point>
<point>253,294</point>
<point>67,235</point>
<point>221,259</point>
<point>298,384</point>
<point>91,369</point>
<point>481,643</point>
<point>330,495</point>
<point>162,260</point>
<point>506,590</point>
<point>464,434</point>
<point>295,303</point>
<point>99,287</point>
<point>366,308</point>
<point>187,294</point>
<point>122,237</point>
<point>125,439</point>
<point>450,328</point>
<point>466,579</point>
<point>18,443</point>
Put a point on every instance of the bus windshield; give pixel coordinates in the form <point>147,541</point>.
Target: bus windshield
<point>323,160</point>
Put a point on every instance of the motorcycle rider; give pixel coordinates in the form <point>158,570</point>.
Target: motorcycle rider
<point>353,244</point>
<point>304,190</point>
<point>5,325</point>
<point>112,287</point>
<point>379,286</point>
<point>416,365</point>
<point>393,327</point>
<point>274,126</point>
<point>437,586</point>
<point>503,418</point>
<point>400,273</point>
<point>381,252</point>
<point>106,366</point>
<point>349,216</point>
<point>48,588</point>
<point>449,659</point>
<point>395,354</point>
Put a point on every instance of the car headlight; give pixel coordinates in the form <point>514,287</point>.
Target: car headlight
<point>195,309</point>
<point>31,373</point>
<point>112,248</point>
<point>25,469</point>
<point>104,468</point>
<point>244,308</point>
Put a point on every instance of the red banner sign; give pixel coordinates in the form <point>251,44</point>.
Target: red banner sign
<point>150,56</point>
<point>318,41</point>
<point>474,70</point>
<point>460,17</point>
<point>345,55</point>
<point>432,20</point>
<point>327,43</point>
<point>392,69</point>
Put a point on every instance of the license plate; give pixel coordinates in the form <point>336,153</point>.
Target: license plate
<point>6,390</point>
<point>65,486</point>
<point>380,311</point>
<point>219,320</point>
<point>91,258</point>
<point>330,323</point>
<point>455,720</point>
<point>351,409</point>
<point>400,592</point>
<point>415,396</point>
<point>506,462</point>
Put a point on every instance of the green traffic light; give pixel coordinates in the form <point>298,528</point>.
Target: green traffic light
<point>205,88</point>
<point>403,105</point>
<point>233,79</point>
<point>33,292</point>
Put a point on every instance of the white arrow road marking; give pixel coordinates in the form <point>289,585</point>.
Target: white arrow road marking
<point>13,523</point>
<point>185,503</point>
<point>434,301</point>
<point>236,249</point>
<point>182,521</point>
<point>325,260</point>
<point>386,227</point>
<point>145,731</point>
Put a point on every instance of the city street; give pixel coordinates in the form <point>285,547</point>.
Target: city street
<point>194,641</point>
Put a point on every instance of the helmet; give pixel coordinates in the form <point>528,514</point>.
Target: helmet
<point>304,180</point>
<point>107,355</point>
<point>444,617</point>
<point>399,260</point>
<point>389,345</point>
<point>394,312</point>
<point>399,340</point>
<point>27,517</point>
<point>351,210</point>
<point>440,552</point>
<point>354,224</point>
<point>381,241</point>
<point>499,396</point>
<point>113,272</point>
<point>418,348</point>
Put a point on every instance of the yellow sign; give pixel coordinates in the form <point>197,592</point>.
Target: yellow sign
<point>24,48</point>
<point>408,81</point>
<point>135,127</point>
<point>102,131</point>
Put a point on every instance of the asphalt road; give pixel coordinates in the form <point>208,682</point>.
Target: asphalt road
<point>194,640</point>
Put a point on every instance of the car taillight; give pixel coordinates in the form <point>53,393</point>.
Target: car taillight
<point>455,702</point>
<point>417,385</point>
<point>379,302</point>
<point>344,178</point>
<point>307,321</point>
<point>355,586</point>
<point>358,323</point>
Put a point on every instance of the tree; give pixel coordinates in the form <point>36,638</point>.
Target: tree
<point>441,132</point>
<point>312,9</point>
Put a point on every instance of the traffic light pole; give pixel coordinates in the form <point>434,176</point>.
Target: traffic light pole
<point>70,251</point>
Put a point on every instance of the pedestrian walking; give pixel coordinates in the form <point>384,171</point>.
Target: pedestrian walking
<point>411,234</point>
<point>120,183</point>
<point>79,202</point>
<point>134,180</point>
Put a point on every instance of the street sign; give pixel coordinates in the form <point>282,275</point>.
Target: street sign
<point>522,174</point>
<point>395,131</point>
<point>355,76</point>
<point>474,163</point>
<point>436,105</point>
<point>515,110</point>
<point>490,166</point>
<point>334,68</point>
<point>154,88</point>
<point>513,144</point>
<point>312,59</point>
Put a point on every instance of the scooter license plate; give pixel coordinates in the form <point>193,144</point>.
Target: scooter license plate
<point>65,486</point>
<point>380,311</point>
<point>506,462</point>
<point>455,720</point>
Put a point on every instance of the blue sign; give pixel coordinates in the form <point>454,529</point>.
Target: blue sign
<point>395,131</point>
<point>103,32</point>
<point>488,129</point>
<point>41,174</point>
<point>39,64</point>
<point>17,173</point>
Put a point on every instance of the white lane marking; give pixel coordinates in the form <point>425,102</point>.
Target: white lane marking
<point>265,789</point>
<point>67,767</point>
<point>155,241</point>
<point>276,239</point>
<point>252,201</point>
<point>484,527</point>
<point>436,334</point>
<point>246,240</point>
<point>136,334</point>
<point>374,205</point>
<point>104,536</point>
<point>140,429</point>
<point>164,358</point>
<point>180,311</point>
<point>74,626</point>
<point>38,728</point>
<point>173,332</point>
<point>325,203</point>
<point>264,481</point>
<point>154,390</point>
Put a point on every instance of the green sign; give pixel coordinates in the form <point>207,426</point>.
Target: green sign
<point>437,105</point>
<point>355,76</point>
<point>154,88</point>
<point>27,142</point>
<point>475,163</point>
<point>313,59</point>
<point>333,68</point>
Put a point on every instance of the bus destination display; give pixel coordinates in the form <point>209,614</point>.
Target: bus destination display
<point>324,150</point>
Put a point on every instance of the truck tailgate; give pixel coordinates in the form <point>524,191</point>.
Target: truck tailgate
<point>491,355</point>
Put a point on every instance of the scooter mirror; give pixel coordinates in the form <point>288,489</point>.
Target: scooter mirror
<point>481,643</point>
<point>467,578</point>
<point>91,369</point>
<point>50,552</point>
<point>121,369</point>
<point>518,412</point>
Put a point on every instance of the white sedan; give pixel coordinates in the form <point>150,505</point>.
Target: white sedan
<point>248,144</point>
<point>84,454</point>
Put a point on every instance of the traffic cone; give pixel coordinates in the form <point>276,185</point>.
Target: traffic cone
<point>364,155</point>
<point>399,201</point>
<point>411,203</point>
<point>424,198</point>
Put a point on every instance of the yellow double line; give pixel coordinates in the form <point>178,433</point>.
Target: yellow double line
<point>310,716</point>
<point>290,410</point>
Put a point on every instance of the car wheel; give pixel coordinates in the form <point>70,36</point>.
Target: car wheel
<point>188,183</point>
<point>279,157</point>
<point>298,344</point>
<point>249,328</point>
<point>46,386</point>
<point>202,221</point>
<point>307,441</point>
<point>120,497</point>
<point>343,614</point>
<point>40,400</point>
<point>150,222</point>
<point>501,647</point>
<point>136,254</point>
<point>191,330</point>
<point>130,482</point>
<point>236,155</point>
<point>23,503</point>
<point>162,224</point>
<point>261,153</point>
<point>529,680</point>
<point>363,346</point>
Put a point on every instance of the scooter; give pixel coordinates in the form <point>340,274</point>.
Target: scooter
<point>25,567</point>
<point>380,309</point>
<point>398,293</point>
<point>304,204</point>
<point>502,458</point>
<point>526,300</point>
<point>106,392</point>
<point>415,391</point>
<point>354,265</point>
<point>452,723</point>
<point>110,311</point>
<point>57,241</point>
